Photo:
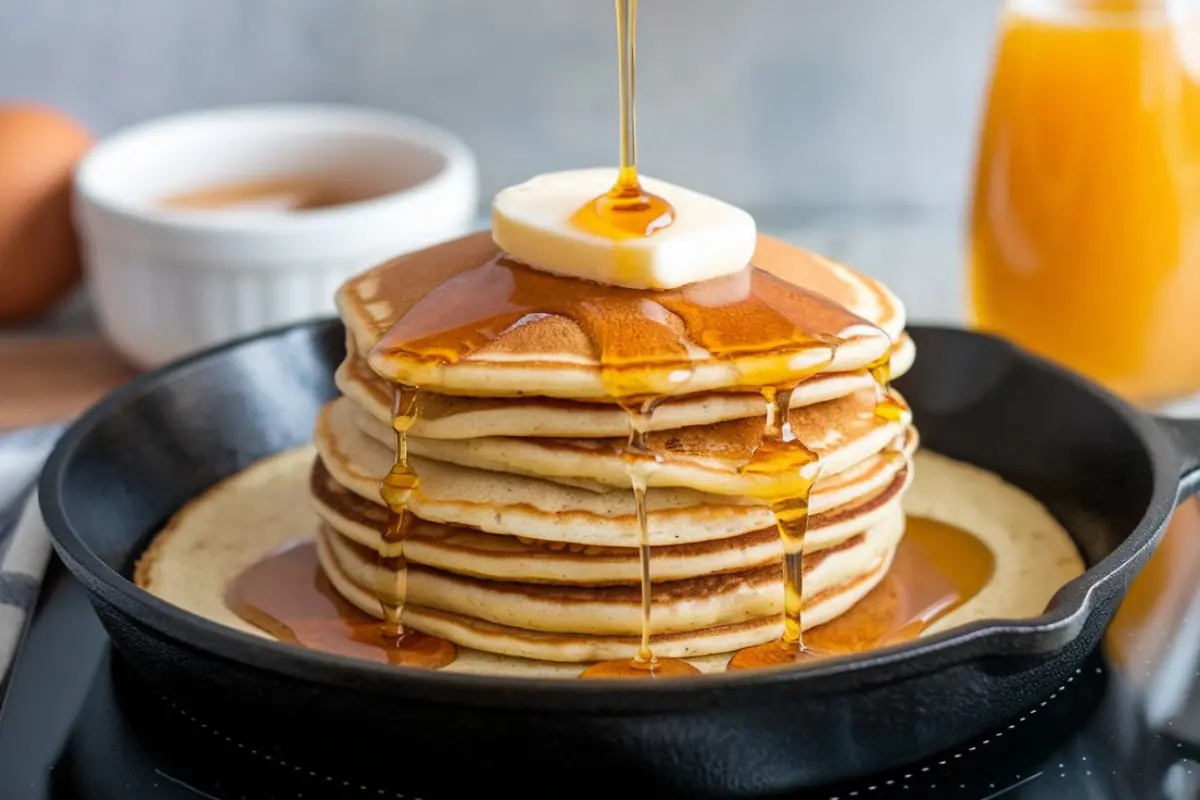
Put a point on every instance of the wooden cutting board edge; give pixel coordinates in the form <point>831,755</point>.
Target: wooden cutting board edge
<point>47,379</point>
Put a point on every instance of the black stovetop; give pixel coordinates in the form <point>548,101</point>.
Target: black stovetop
<point>77,724</point>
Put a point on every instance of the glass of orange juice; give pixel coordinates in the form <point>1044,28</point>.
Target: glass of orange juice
<point>1085,225</point>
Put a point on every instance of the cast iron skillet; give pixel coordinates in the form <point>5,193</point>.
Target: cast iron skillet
<point>1109,473</point>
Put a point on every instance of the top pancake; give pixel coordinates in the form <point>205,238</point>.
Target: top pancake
<point>415,319</point>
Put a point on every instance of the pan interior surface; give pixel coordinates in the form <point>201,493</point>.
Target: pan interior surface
<point>1063,441</point>
<point>170,435</point>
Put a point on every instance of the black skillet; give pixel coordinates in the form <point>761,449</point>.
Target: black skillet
<point>1109,473</point>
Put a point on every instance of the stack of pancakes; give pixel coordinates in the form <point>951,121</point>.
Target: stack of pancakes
<point>526,538</point>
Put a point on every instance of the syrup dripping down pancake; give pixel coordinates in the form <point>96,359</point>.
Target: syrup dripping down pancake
<point>844,433</point>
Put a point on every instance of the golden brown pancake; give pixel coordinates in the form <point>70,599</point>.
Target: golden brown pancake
<point>544,352</point>
<point>497,502</point>
<point>564,645</point>
<point>707,458</point>
<point>682,605</point>
<point>458,417</point>
<point>517,558</point>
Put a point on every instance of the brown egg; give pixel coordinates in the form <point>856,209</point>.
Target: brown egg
<point>39,249</point>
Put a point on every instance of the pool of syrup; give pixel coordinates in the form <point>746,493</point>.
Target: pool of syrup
<point>283,193</point>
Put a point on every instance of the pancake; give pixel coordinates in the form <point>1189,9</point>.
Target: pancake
<point>532,347</point>
<point>683,605</point>
<point>510,558</point>
<point>496,502</point>
<point>225,530</point>
<point>537,653</point>
<point>707,458</point>
<point>451,417</point>
<point>732,599</point>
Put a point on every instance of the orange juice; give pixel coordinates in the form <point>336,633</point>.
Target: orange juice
<point>1085,230</point>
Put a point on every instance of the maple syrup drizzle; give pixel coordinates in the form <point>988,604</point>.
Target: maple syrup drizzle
<point>886,405</point>
<point>645,664</point>
<point>774,332</point>
<point>937,568</point>
<point>791,470</point>
<point>626,211</point>
<point>411,647</point>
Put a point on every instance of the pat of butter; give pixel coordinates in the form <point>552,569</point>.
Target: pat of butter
<point>708,238</point>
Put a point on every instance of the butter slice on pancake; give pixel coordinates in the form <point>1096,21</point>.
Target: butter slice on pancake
<point>550,355</point>
<point>473,553</point>
<point>458,417</point>
<point>224,531</point>
<point>497,502</point>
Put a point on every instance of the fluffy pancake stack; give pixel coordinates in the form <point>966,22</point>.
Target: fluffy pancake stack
<point>526,538</point>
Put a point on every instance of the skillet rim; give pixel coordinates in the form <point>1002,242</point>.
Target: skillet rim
<point>1053,630</point>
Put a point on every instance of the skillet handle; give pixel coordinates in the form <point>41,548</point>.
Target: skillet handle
<point>1185,435</point>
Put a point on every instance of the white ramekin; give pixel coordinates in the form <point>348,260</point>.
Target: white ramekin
<point>164,284</point>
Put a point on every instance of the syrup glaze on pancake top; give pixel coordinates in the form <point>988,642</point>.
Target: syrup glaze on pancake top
<point>789,312</point>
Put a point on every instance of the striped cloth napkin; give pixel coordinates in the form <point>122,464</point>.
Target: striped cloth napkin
<point>24,544</point>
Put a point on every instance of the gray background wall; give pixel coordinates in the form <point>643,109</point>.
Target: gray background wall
<point>845,125</point>
<point>826,104</point>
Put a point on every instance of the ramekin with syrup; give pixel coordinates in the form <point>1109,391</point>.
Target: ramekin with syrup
<point>206,226</point>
